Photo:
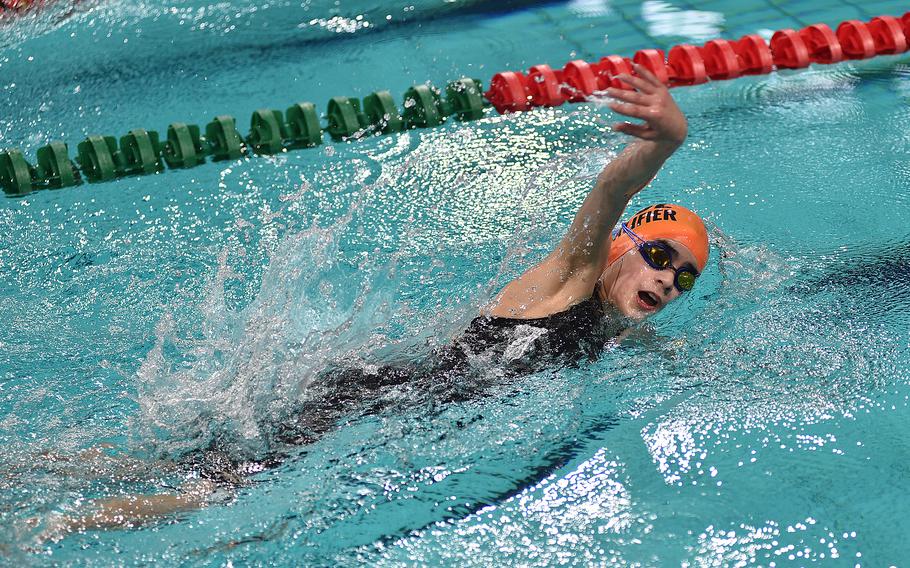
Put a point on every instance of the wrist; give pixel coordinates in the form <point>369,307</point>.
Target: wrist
<point>667,147</point>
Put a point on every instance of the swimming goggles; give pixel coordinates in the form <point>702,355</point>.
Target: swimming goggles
<point>658,256</point>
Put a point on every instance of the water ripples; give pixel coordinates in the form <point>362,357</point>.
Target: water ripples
<point>745,423</point>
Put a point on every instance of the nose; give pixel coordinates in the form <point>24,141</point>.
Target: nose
<point>665,279</point>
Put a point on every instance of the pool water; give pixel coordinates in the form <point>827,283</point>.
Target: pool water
<point>760,420</point>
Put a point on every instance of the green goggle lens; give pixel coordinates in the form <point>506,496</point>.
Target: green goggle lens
<point>685,280</point>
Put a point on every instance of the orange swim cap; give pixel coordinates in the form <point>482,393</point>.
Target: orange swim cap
<point>664,221</point>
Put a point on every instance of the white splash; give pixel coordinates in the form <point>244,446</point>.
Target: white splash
<point>229,379</point>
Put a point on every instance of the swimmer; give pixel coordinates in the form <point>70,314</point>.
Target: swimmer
<point>648,261</point>
<point>601,270</point>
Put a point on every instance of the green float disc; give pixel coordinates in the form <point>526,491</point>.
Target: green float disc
<point>183,147</point>
<point>422,108</point>
<point>96,158</point>
<point>140,151</point>
<point>465,97</point>
<point>266,131</point>
<point>303,125</point>
<point>382,113</point>
<point>342,114</point>
<point>15,172</point>
<point>224,139</point>
<point>55,167</point>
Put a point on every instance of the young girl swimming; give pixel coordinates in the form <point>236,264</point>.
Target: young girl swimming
<point>554,313</point>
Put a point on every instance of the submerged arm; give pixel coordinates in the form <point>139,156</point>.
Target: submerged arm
<point>132,510</point>
<point>569,273</point>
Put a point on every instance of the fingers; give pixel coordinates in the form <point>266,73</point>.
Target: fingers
<point>643,80</point>
<point>637,130</point>
<point>638,82</point>
<point>633,97</point>
<point>646,74</point>
<point>630,109</point>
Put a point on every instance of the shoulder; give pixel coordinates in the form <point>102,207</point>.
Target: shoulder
<point>546,289</point>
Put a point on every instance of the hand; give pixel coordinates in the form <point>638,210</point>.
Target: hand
<point>651,102</point>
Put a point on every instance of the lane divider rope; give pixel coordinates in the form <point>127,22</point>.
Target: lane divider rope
<point>718,59</point>
<point>142,152</point>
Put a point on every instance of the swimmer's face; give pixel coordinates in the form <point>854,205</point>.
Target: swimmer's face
<point>636,289</point>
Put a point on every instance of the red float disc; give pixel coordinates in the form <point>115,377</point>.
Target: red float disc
<point>653,61</point>
<point>507,92</point>
<point>822,44</point>
<point>544,86</point>
<point>888,35</point>
<point>856,40</point>
<point>721,61</point>
<point>789,50</point>
<point>611,66</point>
<point>580,80</point>
<point>686,66</point>
<point>754,55</point>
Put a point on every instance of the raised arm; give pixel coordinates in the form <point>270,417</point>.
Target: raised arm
<point>568,274</point>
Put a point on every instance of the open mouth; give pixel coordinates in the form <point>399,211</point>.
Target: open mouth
<point>648,300</point>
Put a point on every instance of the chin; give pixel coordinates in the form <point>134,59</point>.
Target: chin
<point>633,313</point>
<point>640,316</point>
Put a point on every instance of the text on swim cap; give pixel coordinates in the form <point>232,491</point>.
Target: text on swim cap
<point>661,212</point>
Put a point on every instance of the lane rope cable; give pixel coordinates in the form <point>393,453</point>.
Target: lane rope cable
<point>141,152</point>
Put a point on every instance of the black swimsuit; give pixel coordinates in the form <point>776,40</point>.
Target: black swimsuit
<point>455,372</point>
<point>569,336</point>
<point>514,346</point>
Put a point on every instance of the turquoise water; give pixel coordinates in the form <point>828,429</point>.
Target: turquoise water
<point>760,420</point>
